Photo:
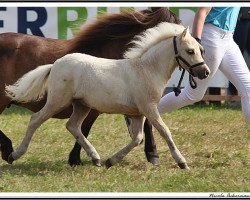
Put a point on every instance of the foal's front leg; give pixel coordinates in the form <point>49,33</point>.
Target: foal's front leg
<point>154,117</point>
<point>149,147</point>
<point>137,123</point>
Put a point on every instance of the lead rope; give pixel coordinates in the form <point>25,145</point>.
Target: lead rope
<point>192,82</point>
<point>177,90</point>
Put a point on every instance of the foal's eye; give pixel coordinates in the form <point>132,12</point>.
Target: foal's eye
<point>190,51</point>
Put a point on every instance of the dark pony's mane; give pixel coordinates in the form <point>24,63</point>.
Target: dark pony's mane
<point>114,27</point>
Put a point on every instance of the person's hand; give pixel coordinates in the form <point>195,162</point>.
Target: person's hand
<point>198,40</point>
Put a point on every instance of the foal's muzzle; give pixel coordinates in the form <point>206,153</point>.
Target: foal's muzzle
<point>201,72</point>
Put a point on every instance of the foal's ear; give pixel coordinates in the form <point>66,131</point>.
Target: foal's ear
<point>185,33</point>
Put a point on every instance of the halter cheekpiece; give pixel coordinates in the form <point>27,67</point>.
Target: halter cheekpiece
<point>178,58</point>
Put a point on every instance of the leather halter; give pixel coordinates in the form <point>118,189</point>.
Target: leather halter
<point>179,58</point>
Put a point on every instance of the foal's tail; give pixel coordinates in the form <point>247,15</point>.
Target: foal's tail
<point>31,87</point>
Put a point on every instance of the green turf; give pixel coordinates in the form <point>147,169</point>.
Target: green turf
<point>214,141</point>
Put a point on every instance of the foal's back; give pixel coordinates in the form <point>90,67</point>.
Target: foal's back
<point>103,84</point>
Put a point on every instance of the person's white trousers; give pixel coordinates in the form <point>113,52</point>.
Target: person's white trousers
<point>221,52</point>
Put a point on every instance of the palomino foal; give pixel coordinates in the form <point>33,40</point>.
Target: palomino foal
<point>131,86</point>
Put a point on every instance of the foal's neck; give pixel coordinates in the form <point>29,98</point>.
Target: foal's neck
<point>160,60</point>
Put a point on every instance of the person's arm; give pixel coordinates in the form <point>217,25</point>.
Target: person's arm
<point>199,20</point>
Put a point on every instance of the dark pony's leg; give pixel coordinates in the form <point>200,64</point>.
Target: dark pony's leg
<point>6,147</point>
<point>74,156</point>
<point>150,147</point>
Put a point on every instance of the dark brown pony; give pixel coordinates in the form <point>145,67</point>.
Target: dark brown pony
<point>107,37</point>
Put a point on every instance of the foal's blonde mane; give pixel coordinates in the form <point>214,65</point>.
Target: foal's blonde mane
<point>152,36</point>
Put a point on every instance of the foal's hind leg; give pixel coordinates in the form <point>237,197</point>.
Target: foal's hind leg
<point>50,109</point>
<point>74,156</point>
<point>74,126</point>
<point>137,123</point>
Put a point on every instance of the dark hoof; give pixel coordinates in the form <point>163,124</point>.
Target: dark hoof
<point>10,159</point>
<point>97,162</point>
<point>74,161</point>
<point>108,164</point>
<point>154,160</point>
<point>6,147</point>
<point>183,166</point>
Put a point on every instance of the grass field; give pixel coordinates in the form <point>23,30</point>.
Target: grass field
<point>214,141</point>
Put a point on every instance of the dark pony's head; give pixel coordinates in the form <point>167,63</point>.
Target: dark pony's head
<point>110,34</point>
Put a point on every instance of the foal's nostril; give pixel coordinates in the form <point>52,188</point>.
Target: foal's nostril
<point>206,73</point>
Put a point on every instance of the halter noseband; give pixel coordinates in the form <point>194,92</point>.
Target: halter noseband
<point>179,58</point>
